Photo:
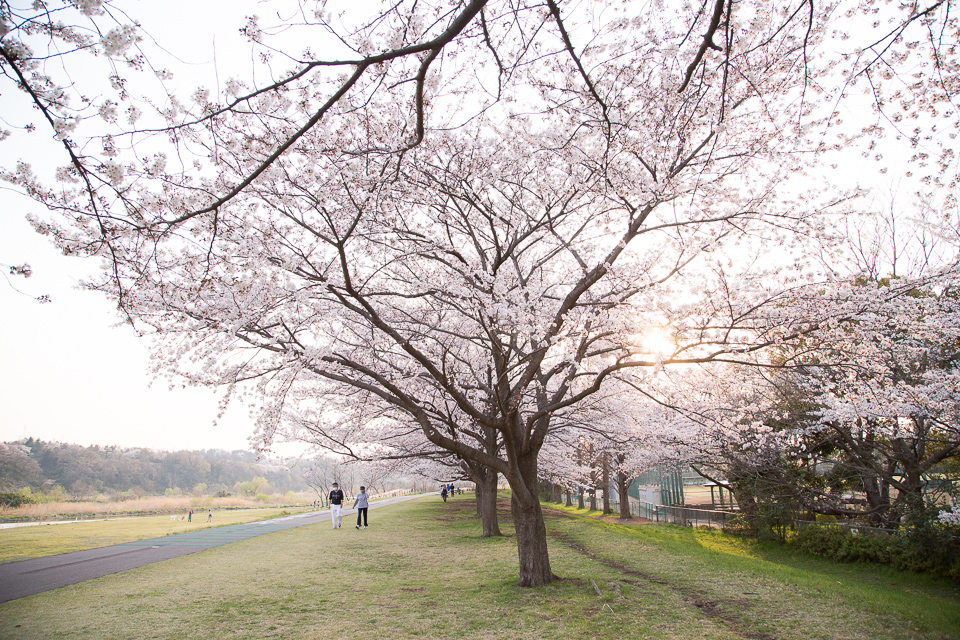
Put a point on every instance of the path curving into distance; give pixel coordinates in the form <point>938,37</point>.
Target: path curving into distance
<point>29,577</point>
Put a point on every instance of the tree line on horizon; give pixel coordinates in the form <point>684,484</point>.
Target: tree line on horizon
<point>95,472</point>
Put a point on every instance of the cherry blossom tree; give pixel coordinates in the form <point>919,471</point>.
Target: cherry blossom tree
<point>888,404</point>
<point>859,396</point>
<point>455,226</point>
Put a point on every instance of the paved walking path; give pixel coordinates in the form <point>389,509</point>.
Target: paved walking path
<point>29,577</point>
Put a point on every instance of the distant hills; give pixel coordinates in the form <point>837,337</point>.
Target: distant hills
<point>87,473</point>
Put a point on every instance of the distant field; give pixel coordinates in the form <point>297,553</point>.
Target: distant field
<point>48,511</point>
<point>22,543</point>
<point>422,572</point>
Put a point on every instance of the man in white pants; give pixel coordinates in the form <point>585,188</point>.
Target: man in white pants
<point>336,505</point>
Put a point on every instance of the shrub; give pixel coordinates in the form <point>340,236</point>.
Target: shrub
<point>262,497</point>
<point>824,519</point>
<point>18,498</point>
<point>740,525</point>
<point>931,548</point>
<point>56,493</point>
<point>929,545</point>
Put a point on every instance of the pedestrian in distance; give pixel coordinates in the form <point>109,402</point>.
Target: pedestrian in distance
<point>336,506</point>
<point>362,506</point>
<point>209,515</point>
<point>190,516</point>
<point>443,493</point>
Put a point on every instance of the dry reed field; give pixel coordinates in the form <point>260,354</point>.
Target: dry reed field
<point>48,511</point>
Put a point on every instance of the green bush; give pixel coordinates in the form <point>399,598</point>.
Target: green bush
<point>929,545</point>
<point>56,493</point>
<point>18,498</point>
<point>846,545</point>
<point>740,525</point>
<point>929,548</point>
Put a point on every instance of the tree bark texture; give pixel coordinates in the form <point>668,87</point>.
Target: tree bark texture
<point>487,503</point>
<point>623,486</point>
<point>531,542</point>
<point>528,522</point>
<point>485,480</point>
<point>605,481</point>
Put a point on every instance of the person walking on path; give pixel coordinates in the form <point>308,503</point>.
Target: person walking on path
<point>443,493</point>
<point>362,506</point>
<point>190,516</point>
<point>209,515</point>
<point>336,506</point>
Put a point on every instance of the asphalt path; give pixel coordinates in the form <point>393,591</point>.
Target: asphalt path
<point>29,577</point>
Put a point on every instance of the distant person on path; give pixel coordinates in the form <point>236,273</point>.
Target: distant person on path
<point>209,515</point>
<point>443,493</point>
<point>190,516</point>
<point>336,506</point>
<point>361,502</point>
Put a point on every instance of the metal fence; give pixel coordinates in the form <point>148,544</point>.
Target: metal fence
<point>690,517</point>
<point>686,516</point>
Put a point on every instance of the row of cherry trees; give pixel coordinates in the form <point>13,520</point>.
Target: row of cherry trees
<point>445,229</point>
<point>859,398</point>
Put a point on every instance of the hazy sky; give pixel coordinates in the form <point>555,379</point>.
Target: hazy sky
<point>67,372</point>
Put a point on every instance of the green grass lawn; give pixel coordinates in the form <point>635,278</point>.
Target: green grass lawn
<point>23,543</point>
<point>422,571</point>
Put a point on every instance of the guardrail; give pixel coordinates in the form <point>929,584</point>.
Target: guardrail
<point>687,516</point>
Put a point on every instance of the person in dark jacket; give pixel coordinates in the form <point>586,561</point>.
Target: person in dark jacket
<point>336,506</point>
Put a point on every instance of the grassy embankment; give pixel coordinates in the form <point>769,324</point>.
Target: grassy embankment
<point>421,571</point>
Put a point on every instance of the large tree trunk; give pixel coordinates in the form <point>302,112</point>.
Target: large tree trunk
<point>531,530</point>
<point>485,480</point>
<point>531,543</point>
<point>605,480</point>
<point>623,486</point>
<point>488,504</point>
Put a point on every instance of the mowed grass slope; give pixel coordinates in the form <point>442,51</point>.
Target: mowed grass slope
<point>422,571</point>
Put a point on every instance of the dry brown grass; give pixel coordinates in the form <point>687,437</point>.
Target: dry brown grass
<point>153,505</point>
